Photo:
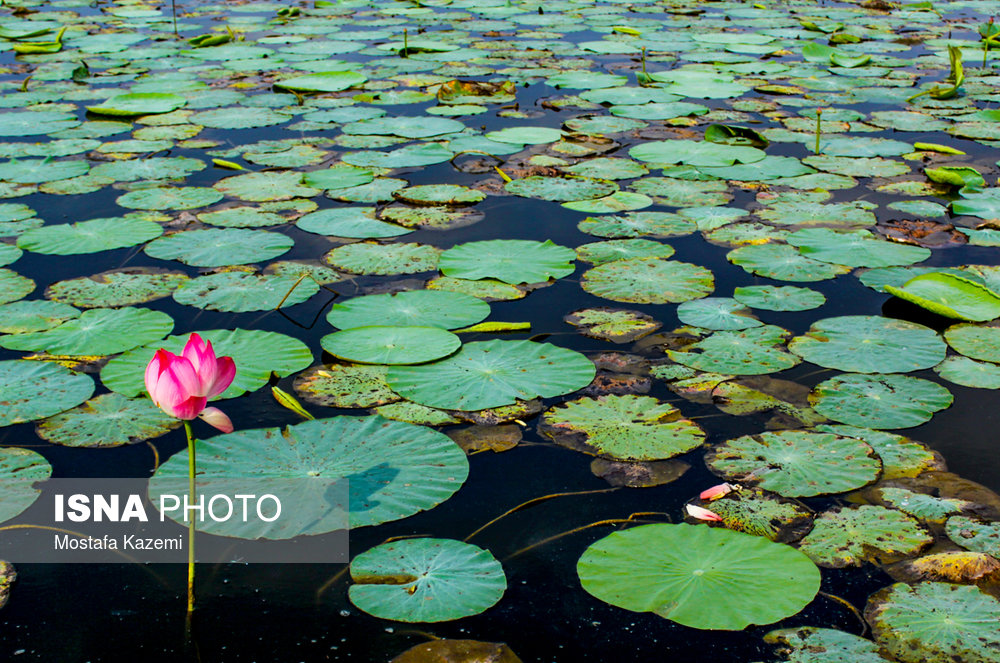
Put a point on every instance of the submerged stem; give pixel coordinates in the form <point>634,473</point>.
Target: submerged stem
<point>191,499</point>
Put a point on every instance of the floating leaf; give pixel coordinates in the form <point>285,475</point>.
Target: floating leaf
<point>426,580</point>
<point>218,248</point>
<point>699,576</point>
<point>434,308</point>
<point>391,345</point>
<point>783,263</point>
<point>615,325</point>
<point>949,295</point>
<point>35,390</point>
<point>974,535</point>
<point>89,236</point>
<point>561,189</point>
<point>901,456</point>
<point>20,469</point>
<point>648,281</point>
<point>326,81</point>
<point>879,401</point>
<point>796,463</point>
<point>778,298</point>
<point>493,373</point>
<point>345,385</point>
<point>823,645</point>
<point>96,332</point>
<point>116,288</point>
<point>622,428</point>
<point>858,248</point>
<point>869,344</point>
<point>720,313</point>
<point>512,261</point>
<point>139,103</point>
<point>108,420</point>
<point>853,536</point>
<point>34,315</point>
<point>753,351</point>
<point>239,292</point>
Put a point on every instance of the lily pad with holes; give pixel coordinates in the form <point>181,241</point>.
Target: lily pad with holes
<point>431,308</point>
<point>256,354</point>
<point>102,331</point>
<point>426,580</point>
<point>489,374</point>
<point>108,420</point>
<point>698,576</point>
<point>870,344</point>
<point>383,259</point>
<point>949,295</point>
<point>34,390</point>
<point>512,261</point>
<point>622,428</point>
<point>391,345</point>
<point>921,505</point>
<point>239,292</point>
<point>20,469</point>
<point>648,281</point>
<point>823,645</point>
<point>220,247</point>
<point>139,103</point>
<point>719,313</point>
<point>754,351</point>
<point>561,189</point>
<point>116,288</point>
<point>92,236</point>
<point>935,622</point>
<point>901,456</point>
<point>858,248</point>
<point>345,385</point>
<point>393,469</point>
<point>783,263</point>
<point>867,533</point>
<point>778,298</point>
<point>796,463</point>
<point>974,535</point>
<point>879,401</point>
<point>615,325</point>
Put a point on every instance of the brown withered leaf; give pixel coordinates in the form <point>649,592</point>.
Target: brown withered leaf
<point>458,651</point>
<point>961,567</point>
<point>638,474</point>
<point>481,438</point>
<point>921,232</point>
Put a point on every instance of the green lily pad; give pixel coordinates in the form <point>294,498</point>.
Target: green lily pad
<point>638,224</point>
<point>857,166</point>
<point>975,341</point>
<point>426,580</point>
<point>409,156</point>
<point>561,189</point>
<point>351,222</point>
<point>89,236</point>
<point>489,374</point>
<point>394,469</point>
<point>116,288</point>
<point>699,576</point>
<point>35,390</point>
<point>422,308</point>
<point>370,258</point>
<point>869,344</point>
<point>525,136</point>
<point>761,514</point>
<point>236,117</point>
<point>783,263</point>
<point>672,192</point>
<point>391,345</point>
<point>13,286</point>
<point>693,153</point>
<point>404,126</point>
<point>154,168</point>
<point>20,469</point>
<point>778,298</point>
<point>34,315</point>
<point>415,413</point>
<point>220,247</point>
<point>879,401</point>
<point>34,171</point>
<point>935,622</point>
<point>769,168</point>
<point>974,535</point>
<point>868,533</point>
<point>338,176</point>
<point>439,194</point>
<point>599,253</point>
<point>108,420</point>
<point>949,295</point>
<point>755,351</point>
<point>615,325</point>
<point>720,313</point>
<point>266,186</point>
<point>170,198</point>
<point>346,386</point>
<point>256,354</point>
<point>648,281</point>
<point>96,332</point>
<point>969,373</point>
<point>619,201</point>
<point>797,463</point>
<point>920,505</point>
<point>606,168</point>
<point>823,645</point>
<point>901,456</point>
<point>34,123</point>
<point>239,292</point>
<point>512,261</point>
<point>856,249</point>
<point>326,81</point>
<point>139,103</point>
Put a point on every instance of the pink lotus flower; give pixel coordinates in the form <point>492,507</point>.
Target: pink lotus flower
<point>702,514</point>
<point>181,385</point>
<point>715,492</point>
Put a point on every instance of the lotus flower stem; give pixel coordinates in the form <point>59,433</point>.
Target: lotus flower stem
<point>173,10</point>
<point>819,131</point>
<point>191,500</point>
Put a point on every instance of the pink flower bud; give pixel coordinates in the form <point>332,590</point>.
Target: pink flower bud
<point>702,514</point>
<point>715,492</point>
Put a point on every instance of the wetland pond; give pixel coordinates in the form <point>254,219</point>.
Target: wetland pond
<point>641,330</point>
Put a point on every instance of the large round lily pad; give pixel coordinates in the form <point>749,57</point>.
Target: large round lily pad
<point>393,469</point>
<point>426,580</point>
<point>239,291</point>
<point>935,622</point>
<point>125,287</point>
<point>34,315</point>
<point>870,344</point>
<point>648,281</point>
<point>949,295</point>
<point>346,385</point>
<point>974,535</point>
<point>325,81</point>
<point>783,263</point>
<point>754,351</point>
<point>32,390</point>
<point>879,401</point>
<point>139,103</point>
<point>19,469</point>
<point>489,374</point>
<point>824,645</point>
<point>96,332</point>
<point>169,198</point>
<point>622,428</point>
<point>382,259</point>
<point>509,260</point>
<point>868,533</point>
<point>797,463</point>
<point>433,308</point>
<point>720,313</point>
<point>699,576</point>
<point>109,420</point>
<point>89,236</point>
<point>256,354</point>
<point>391,345</point>
<point>975,341</point>
<point>857,248</point>
<point>220,247</point>
<point>561,189</point>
